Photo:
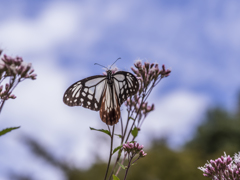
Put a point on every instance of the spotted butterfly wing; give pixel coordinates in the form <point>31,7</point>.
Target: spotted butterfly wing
<point>104,93</point>
<point>126,85</point>
<point>86,92</point>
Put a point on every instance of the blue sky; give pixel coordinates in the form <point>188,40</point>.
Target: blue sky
<point>199,41</point>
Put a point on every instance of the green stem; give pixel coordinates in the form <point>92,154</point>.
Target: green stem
<point>122,164</point>
<point>110,155</point>
<point>129,164</point>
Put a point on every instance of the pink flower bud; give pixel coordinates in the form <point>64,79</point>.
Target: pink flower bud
<point>134,70</point>
<point>33,76</point>
<point>7,86</point>
<point>151,71</point>
<point>140,147</point>
<point>167,73</point>
<point>12,96</point>
<point>138,64</point>
<point>149,108</point>
<point>17,61</point>
<point>128,146</point>
<point>142,153</point>
<point>163,68</point>
<point>20,69</point>
<point>146,64</point>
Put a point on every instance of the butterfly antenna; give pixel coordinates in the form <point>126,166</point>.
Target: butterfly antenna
<point>115,62</point>
<point>100,65</point>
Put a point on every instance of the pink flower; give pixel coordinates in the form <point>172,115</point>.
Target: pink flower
<point>142,154</point>
<point>138,63</point>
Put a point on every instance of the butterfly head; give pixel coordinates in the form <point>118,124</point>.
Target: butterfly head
<point>113,69</point>
<point>109,72</point>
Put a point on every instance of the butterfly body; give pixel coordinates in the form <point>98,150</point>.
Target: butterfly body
<point>109,77</point>
<point>104,93</point>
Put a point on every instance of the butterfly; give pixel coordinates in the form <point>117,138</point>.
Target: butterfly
<point>103,93</point>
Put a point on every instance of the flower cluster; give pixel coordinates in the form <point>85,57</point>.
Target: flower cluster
<point>149,73</point>
<point>16,67</point>
<point>134,148</point>
<point>12,72</point>
<point>237,159</point>
<point>223,168</point>
<point>135,104</point>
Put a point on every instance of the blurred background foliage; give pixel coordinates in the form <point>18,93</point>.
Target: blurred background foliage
<point>218,133</point>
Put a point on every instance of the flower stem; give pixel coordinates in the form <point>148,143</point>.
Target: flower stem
<point>10,90</point>
<point>110,155</point>
<point>121,163</point>
<point>129,164</point>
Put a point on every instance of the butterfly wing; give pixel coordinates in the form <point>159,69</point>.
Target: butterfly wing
<point>110,108</point>
<point>126,84</point>
<point>86,92</point>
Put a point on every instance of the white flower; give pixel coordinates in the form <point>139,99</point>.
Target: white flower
<point>237,158</point>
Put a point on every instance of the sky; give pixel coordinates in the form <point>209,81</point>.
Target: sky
<point>198,40</point>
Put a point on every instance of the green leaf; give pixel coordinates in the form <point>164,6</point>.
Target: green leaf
<point>4,131</point>
<point>122,166</point>
<point>135,132</point>
<point>118,135</point>
<point>131,118</point>
<point>115,177</point>
<point>102,130</point>
<point>119,152</point>
<point>117,148</point>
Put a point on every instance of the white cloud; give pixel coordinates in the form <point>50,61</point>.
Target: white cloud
<point>56,24</point>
